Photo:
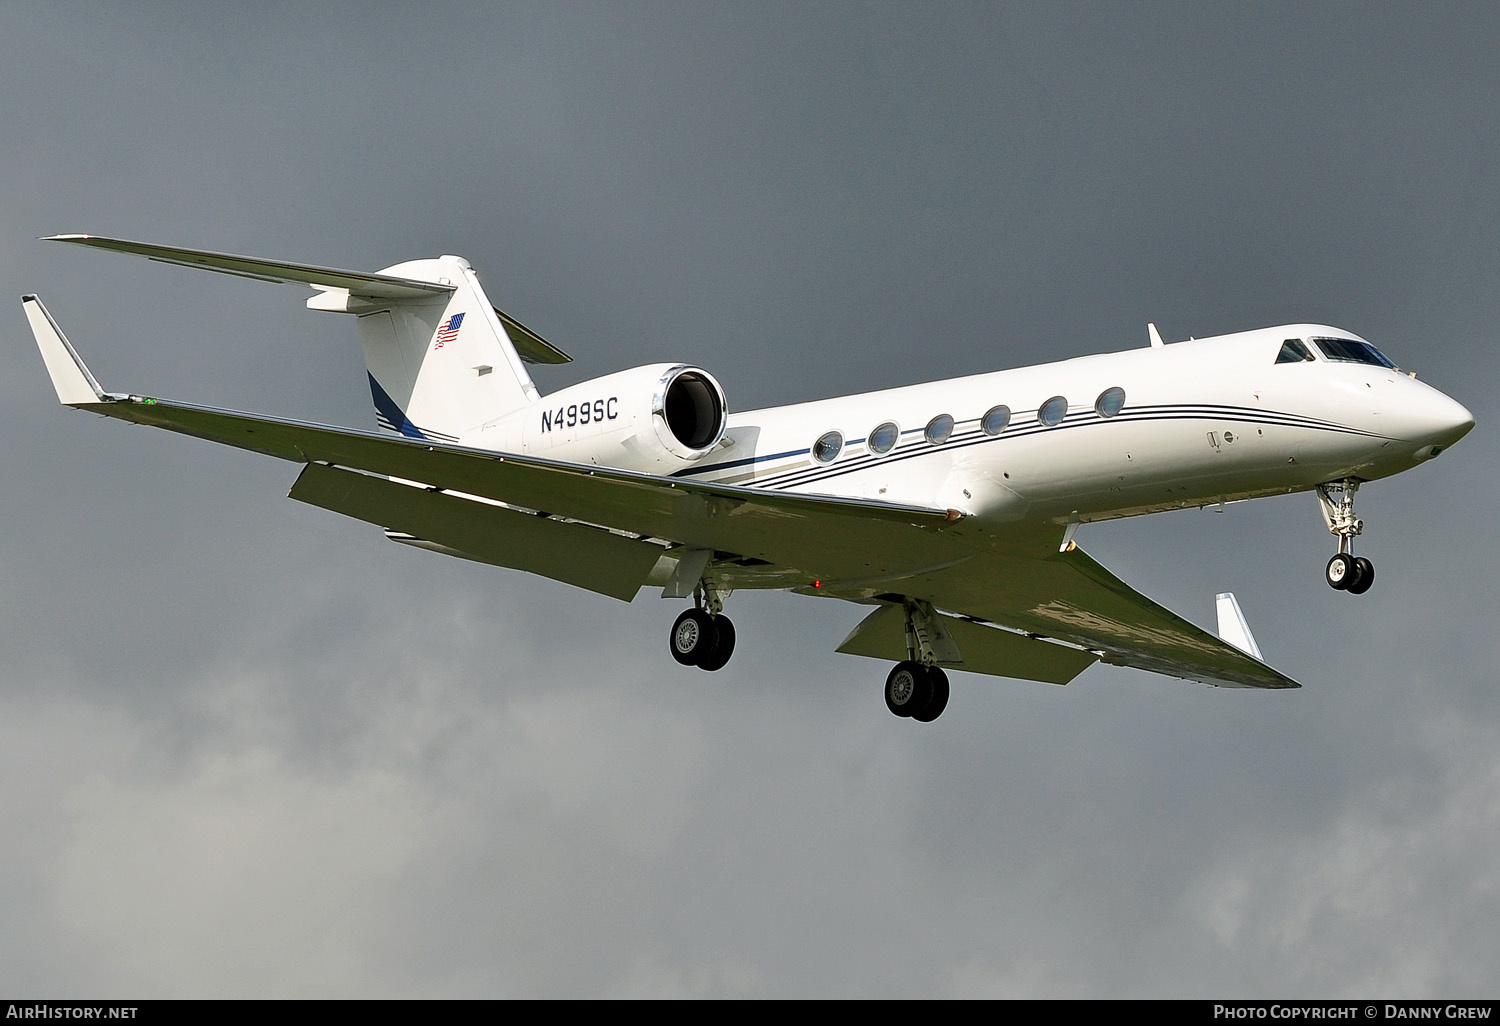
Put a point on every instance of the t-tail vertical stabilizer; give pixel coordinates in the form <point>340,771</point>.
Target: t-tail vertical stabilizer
<point>439,364</point>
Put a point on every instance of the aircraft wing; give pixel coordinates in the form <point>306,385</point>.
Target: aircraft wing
<point>609,527</point>
<point>1069,597</point>
<point>856,538</point>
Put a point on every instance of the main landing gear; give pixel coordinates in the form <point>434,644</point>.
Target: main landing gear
<point>1345,571</point>
<point>918,691</point>
<point>703,637</point>
<point>917,687</point>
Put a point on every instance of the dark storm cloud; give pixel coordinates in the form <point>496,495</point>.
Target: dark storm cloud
<point>250,748</point>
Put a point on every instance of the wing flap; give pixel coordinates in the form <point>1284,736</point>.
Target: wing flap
<point>987,650</point>
<point>585,557</point>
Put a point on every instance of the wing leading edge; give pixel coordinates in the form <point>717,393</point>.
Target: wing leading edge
<point>847,548</point>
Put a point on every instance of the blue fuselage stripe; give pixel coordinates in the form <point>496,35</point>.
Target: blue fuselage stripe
<point>964,437</point>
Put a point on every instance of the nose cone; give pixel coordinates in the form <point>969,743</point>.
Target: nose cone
<point>1436,422</point>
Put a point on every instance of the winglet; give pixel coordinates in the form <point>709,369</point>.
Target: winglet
<point>1233,628</point>
<point>75,385</point>
<point>1154,335</point>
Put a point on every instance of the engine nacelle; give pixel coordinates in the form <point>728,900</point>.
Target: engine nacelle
<point>689,412</point>
<point>638,419</point>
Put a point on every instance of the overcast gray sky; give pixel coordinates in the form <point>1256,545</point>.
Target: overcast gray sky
<point>251,748</point>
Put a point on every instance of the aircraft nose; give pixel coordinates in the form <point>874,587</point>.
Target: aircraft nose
<point>1438,422</point>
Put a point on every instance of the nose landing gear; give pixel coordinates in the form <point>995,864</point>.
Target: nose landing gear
<point>1345,571</point>
<point>1353,574</point>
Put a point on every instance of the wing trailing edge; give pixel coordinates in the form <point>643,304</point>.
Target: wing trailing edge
<point>983,649</point>
<point>584,557</point>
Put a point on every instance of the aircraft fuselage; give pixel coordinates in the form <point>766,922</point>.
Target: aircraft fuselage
<point>1191,423</point>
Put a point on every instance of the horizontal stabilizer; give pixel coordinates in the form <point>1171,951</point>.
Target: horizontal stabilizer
<point>359,283</point>
<point>530,346</point>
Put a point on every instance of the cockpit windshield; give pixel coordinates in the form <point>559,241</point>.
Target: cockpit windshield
<point>1346,350</point>
<point>1293,350</point>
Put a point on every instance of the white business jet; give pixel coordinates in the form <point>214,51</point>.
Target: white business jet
<point>949,507</point>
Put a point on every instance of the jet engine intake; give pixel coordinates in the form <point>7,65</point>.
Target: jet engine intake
<point>689,412</point>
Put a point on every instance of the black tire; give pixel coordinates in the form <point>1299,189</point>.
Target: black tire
<point>723,648</point>
<point>907,688</point>
<point>937,698</point>
<point>693,637</point>
<point>1364,576</point>
<point>1340,571</point>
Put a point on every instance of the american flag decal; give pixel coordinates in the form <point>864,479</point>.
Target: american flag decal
<point>449,330</point>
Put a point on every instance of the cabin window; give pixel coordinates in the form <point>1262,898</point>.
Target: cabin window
<point>1293,350</point>
<point>883,438</point>
<point>996,420</point>
<point>1110,402</point>
<point>939,429</point>
<point>1053,411</point>
<point>827,448</point>
<point>1346,350</point>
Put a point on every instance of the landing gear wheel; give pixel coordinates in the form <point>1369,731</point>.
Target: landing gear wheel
<point>907,688</point>
<point>1341,572</point>
<point>937,700</point>
<point>1364,576</point>
<point>694,637</point>
<point>716,657</point>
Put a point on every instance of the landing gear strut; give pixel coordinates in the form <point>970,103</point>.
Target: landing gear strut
<point>1345,571</point>
<point>917,687</point>
<point>703,637</point>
